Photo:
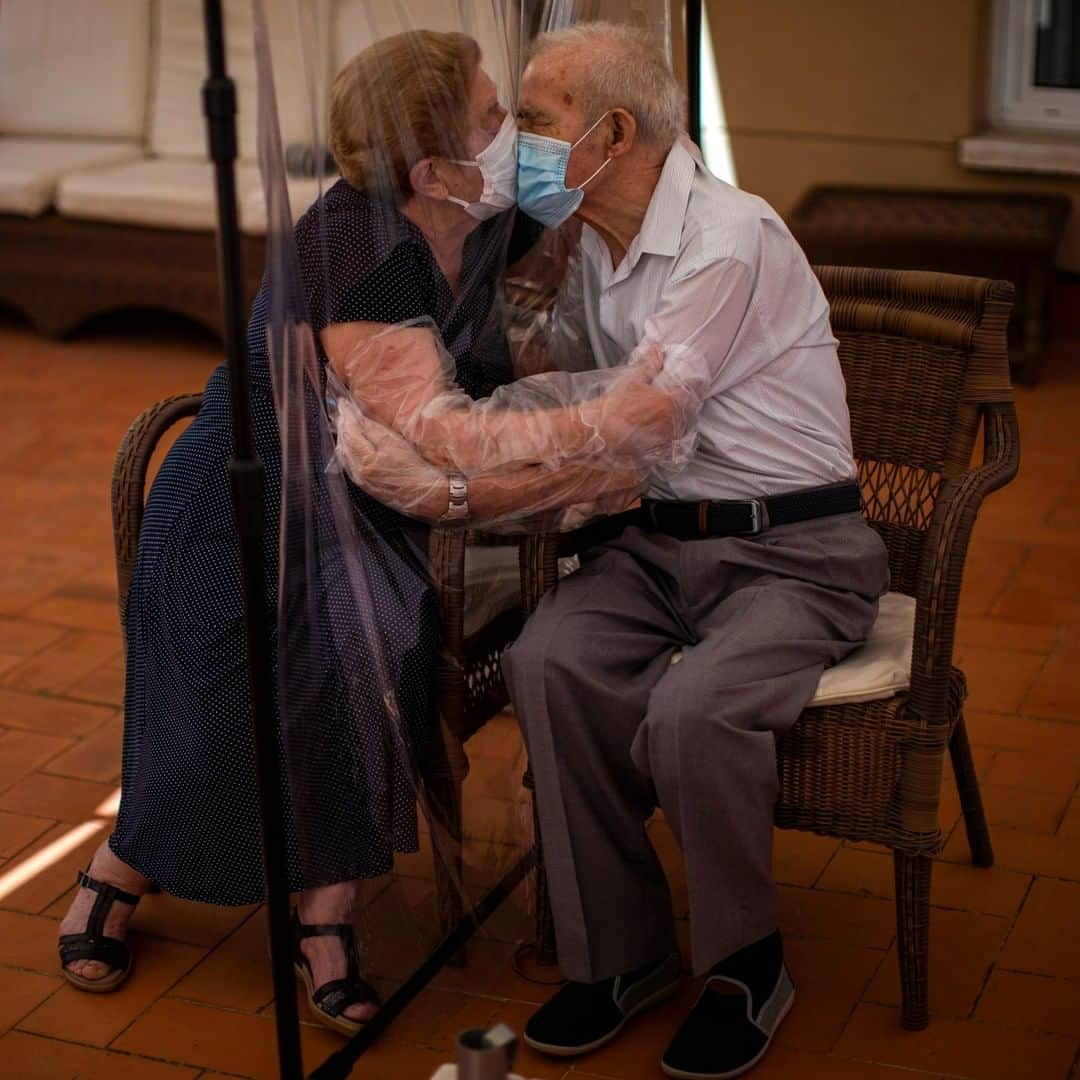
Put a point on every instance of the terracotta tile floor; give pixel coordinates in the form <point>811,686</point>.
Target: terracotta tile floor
<point>1005,963</point>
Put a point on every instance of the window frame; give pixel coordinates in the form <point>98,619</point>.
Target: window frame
<point>1015,101</point>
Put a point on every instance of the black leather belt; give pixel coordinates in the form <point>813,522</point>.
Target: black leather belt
<point>747,517</point>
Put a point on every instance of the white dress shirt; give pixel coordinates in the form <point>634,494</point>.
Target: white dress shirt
<point>716,271</point>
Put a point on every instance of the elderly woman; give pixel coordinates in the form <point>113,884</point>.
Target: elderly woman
<point>414,230</point>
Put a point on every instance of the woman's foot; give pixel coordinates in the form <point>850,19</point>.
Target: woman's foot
<point>332,904</point>
<point>109,870</point>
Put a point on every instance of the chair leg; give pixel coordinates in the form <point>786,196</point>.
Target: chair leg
<point>913,937</point>
<point>544,919</point>
<point>967,784</point>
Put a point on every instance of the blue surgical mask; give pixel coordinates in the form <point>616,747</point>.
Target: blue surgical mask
<point>542,191</point>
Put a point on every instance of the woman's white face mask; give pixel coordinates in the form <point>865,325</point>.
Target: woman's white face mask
<point>497,163</point>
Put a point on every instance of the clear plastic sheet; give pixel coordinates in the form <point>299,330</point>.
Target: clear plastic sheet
<point>536,445</point>
<point>397,368</point>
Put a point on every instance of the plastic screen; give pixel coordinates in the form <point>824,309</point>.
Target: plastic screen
<point>422,423</point>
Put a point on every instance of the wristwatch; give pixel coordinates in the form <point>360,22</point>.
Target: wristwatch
<point>457,507</point>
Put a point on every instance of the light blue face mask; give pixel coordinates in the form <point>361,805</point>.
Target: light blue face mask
<point>542,192</point>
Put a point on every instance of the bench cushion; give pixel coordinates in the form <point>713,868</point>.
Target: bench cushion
<point>176,194</point>
<point>177,125</point>
<point>74,69</point>
<point>493,583</point>
<point>30,169</point>
<point>303,191</point>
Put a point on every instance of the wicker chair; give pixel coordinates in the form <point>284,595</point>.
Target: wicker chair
<point>926,365</point>
<point>469,684</point>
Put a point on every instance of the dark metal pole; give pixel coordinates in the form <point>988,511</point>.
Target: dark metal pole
<point>246,480</point>
<point>338,1066</point>
<point>693,68</point>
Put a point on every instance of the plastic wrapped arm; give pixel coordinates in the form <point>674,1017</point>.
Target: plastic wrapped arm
<point>639,413</point>
<point>390,469</point>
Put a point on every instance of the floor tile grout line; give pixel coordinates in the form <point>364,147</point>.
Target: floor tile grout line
<point>1000,949</point>
<point>26,847</point>
<point>43,648</point>
<point>828,862</point>
<point>1073,797</point>
<point>1037,676</point>
<point>36,817</point>
<point>111,782</point>
<point>50,696</point>
<point>64,690</point>
<point>109,1050</point>
<point>14,1026</point>
<point>75,740</point>
<point>863,992</point>
<point>954,1019</point>
<point>1010,579</point>
<point>209,952</point>
<point>163,993</point>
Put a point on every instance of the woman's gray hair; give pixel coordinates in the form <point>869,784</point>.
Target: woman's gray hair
<point>625,70</point>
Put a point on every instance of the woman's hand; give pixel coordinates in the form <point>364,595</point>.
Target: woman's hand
<point>636,416</point>
<point>388,467</point>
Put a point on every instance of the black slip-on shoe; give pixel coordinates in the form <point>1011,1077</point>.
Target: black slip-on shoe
<point>584,1016</point>
<point>728,1032</point>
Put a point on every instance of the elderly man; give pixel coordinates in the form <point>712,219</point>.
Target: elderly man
<point>696,630</point>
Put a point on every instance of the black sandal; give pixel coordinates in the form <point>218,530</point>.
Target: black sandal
<point>92,944</point>
<point>331,999</point>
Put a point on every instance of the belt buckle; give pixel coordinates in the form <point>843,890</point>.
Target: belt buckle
<point>759,517</point>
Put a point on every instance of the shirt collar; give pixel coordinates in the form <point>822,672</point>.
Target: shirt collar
<point>661,230</point>
<point>662,227</point>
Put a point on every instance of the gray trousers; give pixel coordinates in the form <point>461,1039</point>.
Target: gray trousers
<point>614,729</point>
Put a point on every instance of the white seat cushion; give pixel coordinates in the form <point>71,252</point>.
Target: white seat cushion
<point>30,169</point>
<point>493,583</point>
<point>77,69</point>
<point>878,669</point>
<point>303,191</point>
<point>172,194</point>
<point>177,125</point>
<point>881,667</point>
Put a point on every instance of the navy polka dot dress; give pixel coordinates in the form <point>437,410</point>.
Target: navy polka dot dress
<point>188,815</point>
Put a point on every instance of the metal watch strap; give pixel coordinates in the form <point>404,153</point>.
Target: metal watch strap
<point>457,506</point>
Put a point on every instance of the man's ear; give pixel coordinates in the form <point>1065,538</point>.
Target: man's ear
<point>426,181</point>
<point>623,132</point>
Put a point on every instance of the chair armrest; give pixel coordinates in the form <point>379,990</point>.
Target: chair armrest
<point>479,538</point>
<point>940,575</point>
<point>129,480</point>
<point>446,559</point>
<point>539,556</point>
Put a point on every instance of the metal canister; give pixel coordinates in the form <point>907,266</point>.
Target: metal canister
<point>486,1053</point>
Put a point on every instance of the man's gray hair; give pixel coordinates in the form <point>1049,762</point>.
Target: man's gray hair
<point>625,70</point>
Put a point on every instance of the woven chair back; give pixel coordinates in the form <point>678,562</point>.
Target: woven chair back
<point>921,353</point>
